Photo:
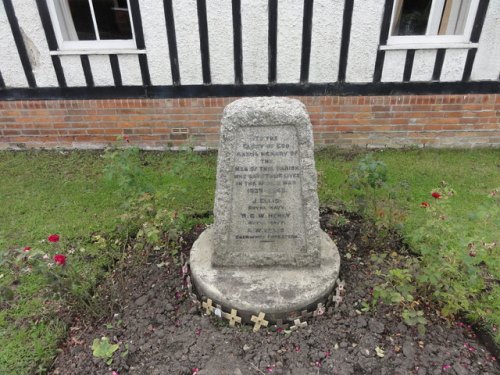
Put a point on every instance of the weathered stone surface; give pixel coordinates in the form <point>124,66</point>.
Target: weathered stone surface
<point>273,290</point>
<point>266,205</point>
<point>265,252</point>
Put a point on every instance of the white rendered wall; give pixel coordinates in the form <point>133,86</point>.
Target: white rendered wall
<point>73,71</point>
<point>453,65</point>
<point>188,41</point>
<point>325,46</point>
<point>326,37</point>
<point>289,49</point>
<point>10,63</point>
<point>394,64</point>
<point>254,24</point>
<point>487,62</point>
<point>423,65</point>
<point>155,37</point>
<point>101,70</point>
<point>35,42</point>
<point>131,70</point>
<point>365,34</point>
<point>220,39</point>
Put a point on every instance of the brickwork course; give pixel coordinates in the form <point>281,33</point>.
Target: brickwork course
<point>365,121</point>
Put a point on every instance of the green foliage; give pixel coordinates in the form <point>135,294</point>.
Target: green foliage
<point>124,169</point>
<point>63,192</point>
<point>374,196</point>
<point>369,173</point>
<point>397,288</point>
<point>415,318</point>
<point>102,348</point>
<point>456,267</point>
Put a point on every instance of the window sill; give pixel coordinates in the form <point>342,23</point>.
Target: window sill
<point>90,51</point>
<point>405,46</point>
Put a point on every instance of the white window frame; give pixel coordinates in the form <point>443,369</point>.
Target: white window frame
<point>429,40</point>
<point>98,45</point>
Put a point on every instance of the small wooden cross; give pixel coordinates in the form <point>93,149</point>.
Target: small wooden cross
<point>298,324</point>
<point>259,321</point>
<point>341,285</point>
<point>208,306</point>
<point>233,317</point>
<point>320,310</point>
<point>337,298</point>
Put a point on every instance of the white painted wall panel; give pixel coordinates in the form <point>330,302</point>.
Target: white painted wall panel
<point>487,62</point>
<point>73,71</point>
<point>10,63</point>
<point>423,65</point>
<point>394,64</point>
<point>220,37</point>
<point>453,65</point>
<point>289,51</point>
<point>365,33</point>
<point>101,70</point>
<point>188,41</point>
<point>254,23</point>
<point>36,43</point>
<point>155,37</point>
<point>325,40</point>
<point>130,69</point>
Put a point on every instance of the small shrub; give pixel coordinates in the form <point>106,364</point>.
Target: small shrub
<point>124,168</point>
<point>375,198</point>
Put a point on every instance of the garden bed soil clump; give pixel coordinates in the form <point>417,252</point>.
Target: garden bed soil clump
<point>160,330</point>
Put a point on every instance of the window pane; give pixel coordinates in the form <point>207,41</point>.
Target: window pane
<point>411,17</point>
<point>113,21</point>
<point>455,14</point>
<point>82,20</point>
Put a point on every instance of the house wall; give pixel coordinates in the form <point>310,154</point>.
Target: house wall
<point>345,121</point>
<point>327,21</point>
<point>50,99</point>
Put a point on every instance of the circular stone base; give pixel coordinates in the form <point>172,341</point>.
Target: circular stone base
<point>277,291</point>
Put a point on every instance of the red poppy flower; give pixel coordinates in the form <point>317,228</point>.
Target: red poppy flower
<point>472,253</point>
<point>436,195</point>
<point>425,204</point>
<point>60,259</point>
<point>53,238</point>
<point>26,249</point>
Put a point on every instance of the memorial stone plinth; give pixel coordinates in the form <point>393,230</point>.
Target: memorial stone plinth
<point>265,251</point>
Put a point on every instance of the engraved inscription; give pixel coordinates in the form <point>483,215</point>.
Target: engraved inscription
<point>267,191</point>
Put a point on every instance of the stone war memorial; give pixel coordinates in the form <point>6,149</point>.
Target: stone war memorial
<point>265,253</point>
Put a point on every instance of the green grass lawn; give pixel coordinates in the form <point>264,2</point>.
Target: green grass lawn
<point>54,192</point>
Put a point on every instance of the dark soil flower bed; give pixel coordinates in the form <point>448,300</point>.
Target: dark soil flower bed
<point>161,331</point>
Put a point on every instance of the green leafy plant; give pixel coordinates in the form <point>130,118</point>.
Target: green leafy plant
<point>413,318</point>
<point>102,348</point>
<point>366,179</point>
<point>124,168</point>
<point>396,289</point>
<point>57,267</point>
<point>375,198</point>
<point>457,268</point>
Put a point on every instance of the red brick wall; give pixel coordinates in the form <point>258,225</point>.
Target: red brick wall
<point>373,121</point>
